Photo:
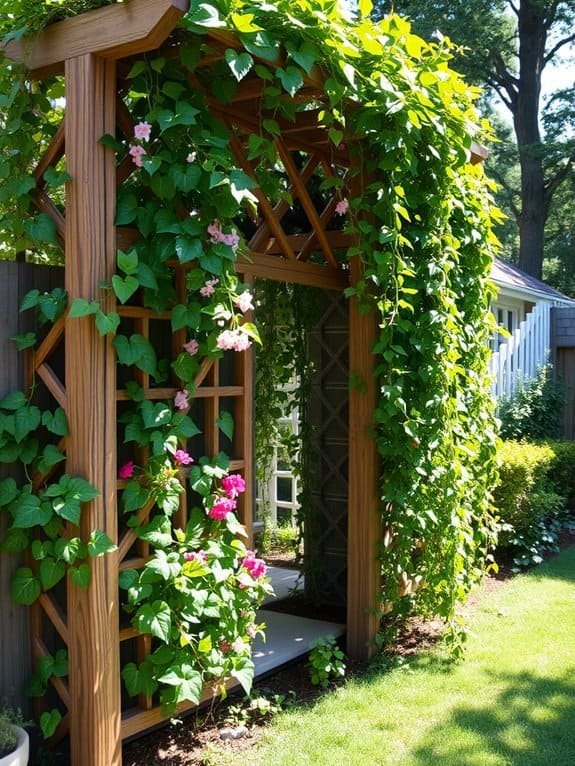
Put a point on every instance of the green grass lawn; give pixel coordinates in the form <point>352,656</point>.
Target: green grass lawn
<point>511,702</point>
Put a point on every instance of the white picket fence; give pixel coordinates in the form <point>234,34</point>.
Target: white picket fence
<point>523,352</point>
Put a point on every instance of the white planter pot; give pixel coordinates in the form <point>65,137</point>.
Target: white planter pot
<point>18,757</point>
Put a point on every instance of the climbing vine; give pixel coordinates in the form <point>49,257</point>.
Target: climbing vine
<point>423,217</point>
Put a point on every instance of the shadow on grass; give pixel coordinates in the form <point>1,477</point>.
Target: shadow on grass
<point>531,722</point>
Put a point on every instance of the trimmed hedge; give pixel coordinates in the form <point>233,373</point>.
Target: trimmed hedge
<point>536,483</point>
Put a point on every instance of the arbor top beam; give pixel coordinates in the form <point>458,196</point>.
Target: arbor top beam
<point>113,32</point>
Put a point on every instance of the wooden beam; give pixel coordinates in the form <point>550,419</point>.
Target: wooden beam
<point>113,32</point>
<point>282,270</point>
<point>93,623</point>
<point>364,520</point>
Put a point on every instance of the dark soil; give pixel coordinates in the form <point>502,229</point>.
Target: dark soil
<point>182,744</point>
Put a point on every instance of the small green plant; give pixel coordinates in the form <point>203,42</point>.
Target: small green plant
<point>9,718</point>
<point>258,707</point>
<point>326,662</point>
<point>284,539</point>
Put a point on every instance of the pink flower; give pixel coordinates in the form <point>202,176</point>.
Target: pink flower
<point>181,399</point>
<point>182,457</point>
<point>136,153</point>
<point>192,346</point>
<point>232,239</point>
<point>342,207</point>
<point>221,508</point>
<point>126,471</point>
<point>233,485</point>
<point>191,157</point>
<point>256,567</point>
<point>215,232</point>
<point>199,556</point>
<point>233,340</point>
<point>142,131</point>
<point>239,646</point>
<point>209,288</point>
<point>244,302</point>
<point>251,631</point>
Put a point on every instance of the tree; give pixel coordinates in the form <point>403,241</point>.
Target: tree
<point>508,43</point>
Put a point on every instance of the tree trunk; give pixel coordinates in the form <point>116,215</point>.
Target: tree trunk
<point>532,36</point>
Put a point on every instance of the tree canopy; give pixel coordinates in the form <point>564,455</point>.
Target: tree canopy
<point>506,46</point>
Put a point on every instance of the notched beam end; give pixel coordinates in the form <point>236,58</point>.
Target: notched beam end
<point>115,31</point>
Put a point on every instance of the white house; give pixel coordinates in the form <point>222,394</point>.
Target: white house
<point>523,308</point>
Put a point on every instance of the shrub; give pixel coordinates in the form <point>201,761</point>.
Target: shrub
<point>326,662</point>
<point>534,411</point>
<point>529,509</point>
<point>561,473</point>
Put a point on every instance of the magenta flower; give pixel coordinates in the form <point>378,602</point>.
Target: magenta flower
<point>233,485</point>
<point>126,471</point>
<point>244,302</point>
<point>342,207</point>
<point>232,239</point>
<point>181,399</point>
<point>256,567</point>
<point>142,131</point>
<point>136,153</point>
<point>182,457</point>
<point>192,347</point>
<point>221,508</point>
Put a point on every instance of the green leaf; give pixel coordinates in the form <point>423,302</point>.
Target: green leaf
<point>212,263</point>
<point>15,541</point>
<point>188,248</point>
<point>51,572</point>
<point>156,619</point>
<point>186,178</point>
<point>26,420</point>
<point>28,512</point>
<point>81,575</point>
<point>42,228</point>
<point>82,308</point>
<point>107,324</point>
<point>67,509</point>
<point>13,401</point>
<point>125,287</point>
<point>291,79</point>
<point>78,488</point>
<point>30,300</point>
<point>8,491</point>
<point>111,142</point>
<point>50,457</point>
<point>186,316</point>
<point>49,722</point>
<point>139,680</point>
<point>225,423</point>
<point>55,177</point>
<point>239,63</point>
<point>244,672</point>
<point>28,340</point>
<point>126,208</point>
<point>57,422</point>
<point>244,22</point>
<point>158,532</point>
<point>25,587</point>
<point>69,549</point>
<point>100,544</point>
<point>306,55</point>
<point>134,496</point>
<point>127,262</point>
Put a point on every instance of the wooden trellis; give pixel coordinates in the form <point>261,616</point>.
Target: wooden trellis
<point>93,51</point>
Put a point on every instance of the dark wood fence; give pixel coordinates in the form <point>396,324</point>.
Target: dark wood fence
<point>15,281</point>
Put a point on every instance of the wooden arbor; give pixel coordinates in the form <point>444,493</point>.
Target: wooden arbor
<point>91,51</point>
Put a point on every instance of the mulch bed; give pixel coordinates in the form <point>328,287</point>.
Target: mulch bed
<point>182,744</point>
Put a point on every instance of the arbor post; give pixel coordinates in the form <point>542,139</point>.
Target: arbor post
<point>91,407</point>
<point>364,520</point>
